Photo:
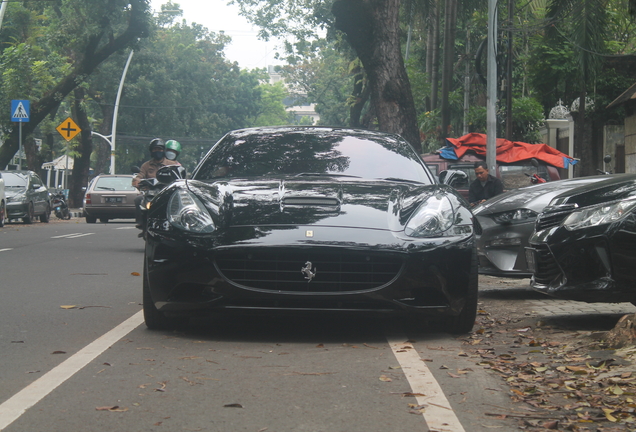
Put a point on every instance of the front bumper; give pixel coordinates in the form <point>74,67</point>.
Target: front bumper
<point>197,276</point>
<point>501,249</point>
<point>577,266</point>
<point>17,210</point>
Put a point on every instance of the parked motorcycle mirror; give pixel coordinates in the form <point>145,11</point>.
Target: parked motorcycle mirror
<point>135,169</point>
<point>607,159</point>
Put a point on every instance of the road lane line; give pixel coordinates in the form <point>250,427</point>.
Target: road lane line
<point>74,235</point>
<point>438,414</point>
<point>6,249</point>
<point>17,405</point>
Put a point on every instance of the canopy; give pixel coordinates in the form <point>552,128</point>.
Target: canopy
<point>507,151</point>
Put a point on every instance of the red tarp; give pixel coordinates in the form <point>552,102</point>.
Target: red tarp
<point>508,151</point>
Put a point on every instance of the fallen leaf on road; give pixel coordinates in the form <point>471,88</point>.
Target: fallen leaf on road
<point>115,408</point>
<point>135,274</point>
<point>58,352</point>
<point>69,306</point>
<point>233,405</point>
<point>385,378</point>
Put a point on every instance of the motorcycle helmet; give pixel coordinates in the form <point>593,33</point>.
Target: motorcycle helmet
<point>173,148</point>
<point>157,154</point>
<point>156,142</point>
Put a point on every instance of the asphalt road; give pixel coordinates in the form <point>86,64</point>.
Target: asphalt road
<point>76,356</point>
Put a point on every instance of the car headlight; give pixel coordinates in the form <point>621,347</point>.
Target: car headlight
<point>515,216</point>
<point>187,212</point>
<point>432,218</point>
<point>599,215</point>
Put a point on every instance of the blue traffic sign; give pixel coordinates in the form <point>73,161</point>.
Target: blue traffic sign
<point>20,110</point>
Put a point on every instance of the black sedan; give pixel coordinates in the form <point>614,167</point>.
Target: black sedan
<point>507,221</point>
<point>584,247</point>
<point>300,220</point>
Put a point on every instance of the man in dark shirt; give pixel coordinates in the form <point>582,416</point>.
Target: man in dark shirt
<point>485,186</point>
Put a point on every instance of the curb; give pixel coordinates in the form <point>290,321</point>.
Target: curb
<point>77,213</point>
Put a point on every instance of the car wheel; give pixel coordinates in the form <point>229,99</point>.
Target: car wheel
<point>464,322</point>
<point>103,220</point>
<point>3,213</point>
<point>154,319</point>
<point>46,215</point>
<point>91,219</point>
<point>28,219</point>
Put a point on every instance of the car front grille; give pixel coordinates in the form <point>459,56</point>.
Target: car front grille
<point>287,271</point>
<point>547,268</point>
<point>553,217</point>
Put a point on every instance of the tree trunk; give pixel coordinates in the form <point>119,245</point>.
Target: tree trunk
<point>95,53</point>
<point>450,27</point>
<point>81,164</point>
<point>372,30</point>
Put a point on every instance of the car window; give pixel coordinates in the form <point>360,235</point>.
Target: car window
<point>114,184</point>
<point>15,180</point>
<point>516,176</point>
<point>322,153</point>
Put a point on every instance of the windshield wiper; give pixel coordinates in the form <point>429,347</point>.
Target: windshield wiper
<point>402,180</point>
<point>105,188</point>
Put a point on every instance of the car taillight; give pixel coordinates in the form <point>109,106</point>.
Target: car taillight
<point>88,198</point>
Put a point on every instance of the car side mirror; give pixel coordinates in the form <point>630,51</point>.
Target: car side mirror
<point>454,178</point>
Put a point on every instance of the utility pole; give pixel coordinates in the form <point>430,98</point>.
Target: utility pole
<point>509,73</point>
<point>491,99</point>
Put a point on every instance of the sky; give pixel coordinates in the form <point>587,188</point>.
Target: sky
<point>245,48</point>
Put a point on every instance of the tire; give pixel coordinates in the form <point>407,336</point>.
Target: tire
<point>103,220</point>
<point>46,216</point>
<point>154,319</point>
<point>91,219</point>
<point>30,217</point>
<point>464,322</point>
<point>3,213</point>
<point>68,215</point>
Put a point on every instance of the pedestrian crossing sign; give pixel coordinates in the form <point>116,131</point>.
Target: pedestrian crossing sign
<point>20,110</point>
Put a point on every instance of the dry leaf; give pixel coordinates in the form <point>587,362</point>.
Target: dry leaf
<point>58,352</point>
<point>135,274</point>
<point>69,306</point>
<point>233,405</point>
<point>385,378</point>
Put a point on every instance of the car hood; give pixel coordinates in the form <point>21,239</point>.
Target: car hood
<point>534,197</point>
<point>347,203</point>
<point>613,187</point>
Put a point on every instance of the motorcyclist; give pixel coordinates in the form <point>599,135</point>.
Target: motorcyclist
<point>149,168</point>
<point>173,148</point>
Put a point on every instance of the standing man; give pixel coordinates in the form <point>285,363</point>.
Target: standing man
<point>485,186</point>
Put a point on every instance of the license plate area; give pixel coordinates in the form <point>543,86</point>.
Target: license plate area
<point>114,200</point>
<point>531,261</point>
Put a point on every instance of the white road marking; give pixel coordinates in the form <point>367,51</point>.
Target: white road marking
<point>6,249</point>
<point>17,405</point>
<point>132,227</point>
<point>74,235</point>
<point>438,414</point>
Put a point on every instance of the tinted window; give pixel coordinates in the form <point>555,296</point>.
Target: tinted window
<point>289,153</point>
<point>114,184</point>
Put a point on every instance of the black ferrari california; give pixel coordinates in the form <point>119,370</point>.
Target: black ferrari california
<point>310,219</point>
<point>584,245</point>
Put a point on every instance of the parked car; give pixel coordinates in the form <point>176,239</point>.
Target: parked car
<point>584,247</point>
<point>3,202</point>
<point>310,219</point>
<point>27,196</point>
<point>110,197</point>
<point>506,222</point>
<point>512,176</point>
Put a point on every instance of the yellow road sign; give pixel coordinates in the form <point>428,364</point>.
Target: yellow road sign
<point>68,129</point>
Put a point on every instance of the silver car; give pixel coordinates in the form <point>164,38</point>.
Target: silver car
<point>3,202</point>
<point>110,197</point>
<point>506,222</point>
<point>27,196</point>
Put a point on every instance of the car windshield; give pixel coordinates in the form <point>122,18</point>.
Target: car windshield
<point>15,180</point>
<point>312,153</point>
<point>114,184</point>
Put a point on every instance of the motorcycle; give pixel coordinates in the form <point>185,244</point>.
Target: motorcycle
<point>151,187</point>
<point>59,205</point>
<point>535,178</point>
